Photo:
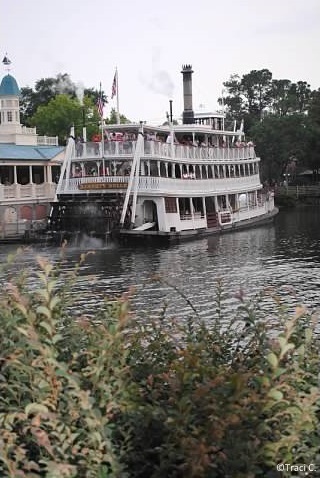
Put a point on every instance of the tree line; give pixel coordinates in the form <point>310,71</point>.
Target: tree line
<point>56,104</point>
<point>282,117</point>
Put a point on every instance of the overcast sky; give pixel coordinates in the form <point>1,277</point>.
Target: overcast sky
<point>149,41</point>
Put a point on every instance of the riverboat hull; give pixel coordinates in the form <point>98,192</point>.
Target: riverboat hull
<point>132,236</point>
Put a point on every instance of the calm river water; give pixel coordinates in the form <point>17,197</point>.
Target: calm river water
<point>282,258</point>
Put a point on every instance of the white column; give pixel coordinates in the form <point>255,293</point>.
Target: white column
<point>30,175</point>
<point>204,207</point>
<point>15,176</point>
<point>49,174</point>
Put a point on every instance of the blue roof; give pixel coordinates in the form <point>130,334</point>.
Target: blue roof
<point>31,153</point>
<point>9,86</point>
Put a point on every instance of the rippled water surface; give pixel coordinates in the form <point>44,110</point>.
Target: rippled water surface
<point>283,259</point>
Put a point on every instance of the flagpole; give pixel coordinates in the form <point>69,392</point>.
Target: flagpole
<point>102,137</point>
<point>117,93</point>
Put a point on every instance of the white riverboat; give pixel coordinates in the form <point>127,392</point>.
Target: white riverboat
<point>171,182</point>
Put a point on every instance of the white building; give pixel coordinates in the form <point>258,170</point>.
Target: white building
<point>29,168</point>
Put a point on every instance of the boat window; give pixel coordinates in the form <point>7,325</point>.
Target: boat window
<point>163,172</point>
<point>154,168</point>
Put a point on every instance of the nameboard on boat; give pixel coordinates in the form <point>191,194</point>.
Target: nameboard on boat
<point>115,185</point>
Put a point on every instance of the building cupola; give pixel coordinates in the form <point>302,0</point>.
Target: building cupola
<point>9,100</point>
<point>9,86</point>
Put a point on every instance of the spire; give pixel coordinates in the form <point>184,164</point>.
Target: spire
<point>6,61</point>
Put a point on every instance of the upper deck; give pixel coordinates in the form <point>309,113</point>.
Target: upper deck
<point>197,143</point>
<point>155,149</point>
<point>161,167</point>
<point>214,158</point>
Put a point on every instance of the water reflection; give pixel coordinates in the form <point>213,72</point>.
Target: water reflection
<point>282,258</point>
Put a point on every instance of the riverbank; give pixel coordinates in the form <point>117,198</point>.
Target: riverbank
<point>290,196</point>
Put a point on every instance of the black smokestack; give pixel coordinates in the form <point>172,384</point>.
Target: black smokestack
<point>188,115</point>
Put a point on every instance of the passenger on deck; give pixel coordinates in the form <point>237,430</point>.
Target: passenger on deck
<point>79,146</point>
<point>113,140</point>
<point>96,138</point>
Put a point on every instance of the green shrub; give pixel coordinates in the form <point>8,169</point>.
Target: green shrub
<point>223,402</point>
<point>110,397</point>
<point>56,395</point>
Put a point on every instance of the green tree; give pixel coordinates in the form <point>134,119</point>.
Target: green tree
<point>26,105</point>
<point>275,116</point>
<point>94,94</point>
<point>248,95</point>
<point>314,109</point>
<point>312,160</point>
<point>47,89</point>
<point>57,117</point>
<point>303,94</point>
<point>279,140</point>
<point>233,102</point>
<point>282,98</point>
<point>257,91</point>
<point>113,118</point>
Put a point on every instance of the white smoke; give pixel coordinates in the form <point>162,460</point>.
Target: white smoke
<point>160,81</point>
<point>64,85</point>
<point>80,92</point>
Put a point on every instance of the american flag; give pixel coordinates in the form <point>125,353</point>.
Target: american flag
<point>114,86</point>
<point>100,106</point>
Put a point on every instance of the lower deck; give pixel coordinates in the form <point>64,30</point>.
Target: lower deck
<point>141,236</point>
<point>100,215</point>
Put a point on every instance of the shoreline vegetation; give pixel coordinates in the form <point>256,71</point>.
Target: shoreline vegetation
<point>112,398</point>
<point>292,196</point>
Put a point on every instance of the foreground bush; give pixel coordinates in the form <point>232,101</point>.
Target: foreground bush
<point>111,398</point>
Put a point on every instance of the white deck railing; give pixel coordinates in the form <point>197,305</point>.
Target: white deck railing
<point>27,191</point>
<point>159,150</point>
<point>199,187</point>
<point>163,186</point>
<point>47,141</point>
<point>253,211</point>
